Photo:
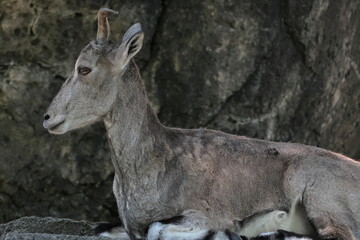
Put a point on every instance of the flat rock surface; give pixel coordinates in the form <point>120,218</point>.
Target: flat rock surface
<point>35,228</point>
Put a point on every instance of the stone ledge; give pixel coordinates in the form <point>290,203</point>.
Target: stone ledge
<point>36,228</point>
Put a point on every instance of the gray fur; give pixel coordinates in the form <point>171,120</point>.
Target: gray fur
<point>212,178</point>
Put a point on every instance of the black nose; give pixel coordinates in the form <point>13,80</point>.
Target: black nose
<point>46,117</point>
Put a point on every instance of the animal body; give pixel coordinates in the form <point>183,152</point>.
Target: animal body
<point>199,183</point>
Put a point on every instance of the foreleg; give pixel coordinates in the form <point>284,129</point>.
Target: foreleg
<point>192,225</point>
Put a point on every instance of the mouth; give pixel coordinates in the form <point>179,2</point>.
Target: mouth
<point>53,129</point>
<point>56,125</point>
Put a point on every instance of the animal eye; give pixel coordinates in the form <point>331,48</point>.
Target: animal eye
<point>84,70</point>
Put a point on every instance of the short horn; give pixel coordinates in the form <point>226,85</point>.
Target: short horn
<point>103,32</point>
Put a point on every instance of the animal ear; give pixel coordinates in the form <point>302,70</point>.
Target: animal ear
<point>131,43</point>
<point>134,44</point>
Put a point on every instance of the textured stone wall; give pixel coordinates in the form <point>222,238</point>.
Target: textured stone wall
<point>282,70</point>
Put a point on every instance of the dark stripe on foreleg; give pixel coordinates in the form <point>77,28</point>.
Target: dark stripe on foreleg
<point>231,235</point>
<point>209,235</point>
<point>174,220</point>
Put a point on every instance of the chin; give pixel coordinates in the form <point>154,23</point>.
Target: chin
<point>56,132</point>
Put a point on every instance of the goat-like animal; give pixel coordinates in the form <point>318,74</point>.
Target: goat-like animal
<point>207,180</point>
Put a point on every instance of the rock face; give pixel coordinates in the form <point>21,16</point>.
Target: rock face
<point>277,70</point>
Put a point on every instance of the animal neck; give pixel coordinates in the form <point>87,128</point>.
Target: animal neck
<point>132,126</point>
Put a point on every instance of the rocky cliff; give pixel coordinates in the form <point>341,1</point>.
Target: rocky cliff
<point>282,70</point>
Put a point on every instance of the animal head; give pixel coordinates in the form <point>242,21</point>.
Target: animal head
<point>92,88</point>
